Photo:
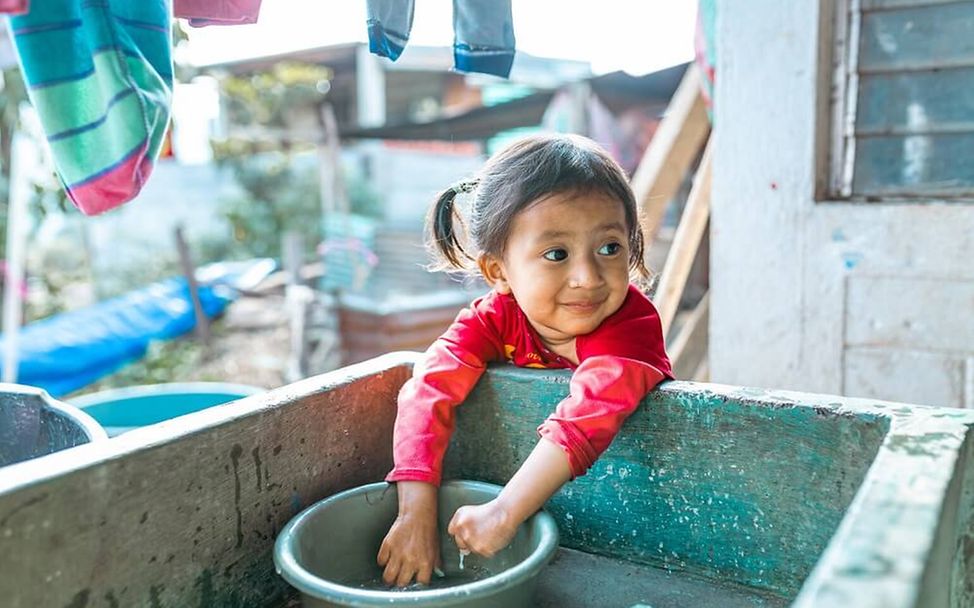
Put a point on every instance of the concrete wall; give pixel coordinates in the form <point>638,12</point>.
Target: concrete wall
<point>408,177</point>
<point>871,300</point>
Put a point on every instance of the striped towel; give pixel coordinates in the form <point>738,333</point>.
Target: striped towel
<point>99,74</point>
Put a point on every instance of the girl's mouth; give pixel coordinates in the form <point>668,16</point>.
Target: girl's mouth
<point>582,306</point>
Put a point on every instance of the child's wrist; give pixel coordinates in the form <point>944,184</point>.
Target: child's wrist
<point>506,513</point>
<point>416,497</point>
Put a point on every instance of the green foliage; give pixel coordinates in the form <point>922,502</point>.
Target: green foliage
<point>282,193</point>
<point>272,98</point>
<point>278,197</point>
<point>275,118</point>
<point>61,279</point>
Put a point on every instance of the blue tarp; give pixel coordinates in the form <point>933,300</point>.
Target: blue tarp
<point>68,351</point>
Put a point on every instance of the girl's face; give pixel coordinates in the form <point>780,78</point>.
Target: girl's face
<point>567,264</point>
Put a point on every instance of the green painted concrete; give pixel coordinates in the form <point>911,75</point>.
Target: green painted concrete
<point>697,480</point>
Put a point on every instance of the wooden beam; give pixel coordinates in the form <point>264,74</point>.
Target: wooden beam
<point>202,327</point>
<point>689,348</point>
<point>686,241</point>
<point>334,199</point>
<point>674,147</point>
<point>298,297</point>
<point>702,373</point>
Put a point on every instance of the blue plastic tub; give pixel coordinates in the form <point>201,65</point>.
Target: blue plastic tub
<point>123,409</point>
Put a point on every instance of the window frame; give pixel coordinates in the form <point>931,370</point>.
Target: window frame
<point>840,23</point>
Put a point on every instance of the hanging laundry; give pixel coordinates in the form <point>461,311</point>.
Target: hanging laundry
<point>483,33</point>
<point>201,13</point>
<point>99,74</point>
<point>14,7</point>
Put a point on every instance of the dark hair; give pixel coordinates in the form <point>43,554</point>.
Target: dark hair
<point>514,178</point>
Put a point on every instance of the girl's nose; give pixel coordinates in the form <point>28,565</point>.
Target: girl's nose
<point>586,274</point>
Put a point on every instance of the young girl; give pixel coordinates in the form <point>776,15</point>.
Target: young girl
<point>553,230</point>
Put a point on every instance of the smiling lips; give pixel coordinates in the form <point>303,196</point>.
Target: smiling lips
<point>582,306</point>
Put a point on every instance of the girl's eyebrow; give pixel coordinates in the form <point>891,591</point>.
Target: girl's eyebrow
<point>553,234</point>
<point>611,226</point>
<point>556,234</point>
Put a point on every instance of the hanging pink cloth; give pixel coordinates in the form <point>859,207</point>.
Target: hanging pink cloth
<point>216,12</point>
<point>14,7</point>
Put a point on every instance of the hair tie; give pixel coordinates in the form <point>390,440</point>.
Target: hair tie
<point>464,187</point>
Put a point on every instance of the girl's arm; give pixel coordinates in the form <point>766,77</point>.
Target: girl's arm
<point>488,528</point>
<point>604,392</point>
<point>443,378</point>
<point>449,370</point>
<point>411,548</point>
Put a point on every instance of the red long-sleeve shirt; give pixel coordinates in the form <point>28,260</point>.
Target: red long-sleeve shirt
<point>619,362</point>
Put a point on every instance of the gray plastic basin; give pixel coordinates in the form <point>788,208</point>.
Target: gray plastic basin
<point>327,550</point>
<point>33,424</point>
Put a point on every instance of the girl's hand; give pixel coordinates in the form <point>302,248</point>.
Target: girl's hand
<point>411,549</point>
<point>482,529</point>
<point>488,528</point>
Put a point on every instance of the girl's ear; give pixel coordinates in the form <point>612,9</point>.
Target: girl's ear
<point>494,274</point>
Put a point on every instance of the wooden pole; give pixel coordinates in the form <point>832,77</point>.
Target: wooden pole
<point>297,297</point>
<point>675,145</point>
<point>16,253</point>
<point>686,241</point>
<point>333,196</point>
<point>689,348</point>
<point>202,327</point>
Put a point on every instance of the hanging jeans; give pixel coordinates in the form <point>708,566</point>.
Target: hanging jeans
<point>483,33</point>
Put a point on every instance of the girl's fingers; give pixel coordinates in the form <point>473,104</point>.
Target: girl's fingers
<point>383,558</point>
<point>424,574</point>
<point>406,574</point>
<point>452,528</point>
<point>391,573</point>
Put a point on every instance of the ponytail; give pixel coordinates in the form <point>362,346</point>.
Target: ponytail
<point>445,239</point>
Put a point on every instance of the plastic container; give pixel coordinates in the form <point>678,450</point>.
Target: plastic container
<point>328,552</point>
<point>123,409</point>
<point>32,424</point>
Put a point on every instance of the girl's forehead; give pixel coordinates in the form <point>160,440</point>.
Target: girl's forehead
<point>575,212</point>
<point>570,203</point>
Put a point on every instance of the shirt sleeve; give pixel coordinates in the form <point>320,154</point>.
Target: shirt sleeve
<point>620,363</point>
<point>441,380</point>
<point>604,391</point>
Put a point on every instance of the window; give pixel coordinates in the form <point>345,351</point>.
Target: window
<point>903,100</point>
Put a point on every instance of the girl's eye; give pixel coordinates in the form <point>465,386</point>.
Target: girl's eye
<point>555,255</point>
<point>610,249</point>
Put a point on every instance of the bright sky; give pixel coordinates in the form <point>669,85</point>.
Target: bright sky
<point>638,36</point>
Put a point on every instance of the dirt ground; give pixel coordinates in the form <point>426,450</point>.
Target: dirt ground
<point>249,345</point>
